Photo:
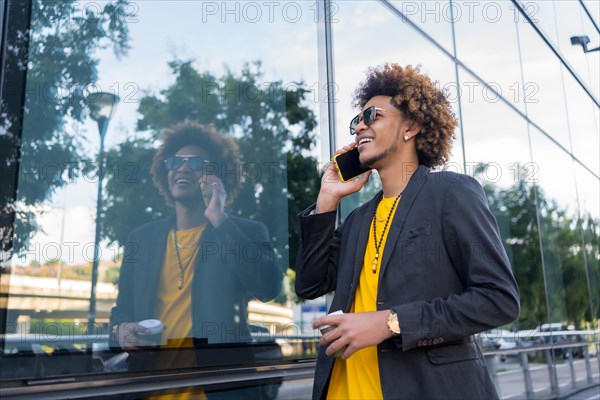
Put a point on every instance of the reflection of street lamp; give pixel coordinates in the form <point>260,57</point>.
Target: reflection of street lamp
<point>101,107</point>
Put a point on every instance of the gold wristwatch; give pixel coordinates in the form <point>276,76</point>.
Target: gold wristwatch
<point>393,324</point>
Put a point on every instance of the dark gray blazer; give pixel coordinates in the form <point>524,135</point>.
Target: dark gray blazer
<point>444,272</point>
<point>235,263</point>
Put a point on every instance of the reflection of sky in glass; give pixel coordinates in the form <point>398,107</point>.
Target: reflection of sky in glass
<point>491,129</point>
<point>283,36</point>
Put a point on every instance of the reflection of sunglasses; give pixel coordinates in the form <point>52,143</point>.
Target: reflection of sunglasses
<point>195,163</point>
<point>367,116</point>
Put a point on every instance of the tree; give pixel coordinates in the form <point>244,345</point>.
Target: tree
<point>61,71</point>
<point>272,126</point>
<point>533,226</point>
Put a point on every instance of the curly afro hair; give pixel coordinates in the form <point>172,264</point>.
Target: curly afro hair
<point>417,98</point>
<point>223,150</point>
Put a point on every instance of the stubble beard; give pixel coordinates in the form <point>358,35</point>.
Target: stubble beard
<point>191,200</point>
<point>390,150</point>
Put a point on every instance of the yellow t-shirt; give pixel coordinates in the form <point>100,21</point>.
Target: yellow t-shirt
<point>358,376</point>
<point>174,306</point>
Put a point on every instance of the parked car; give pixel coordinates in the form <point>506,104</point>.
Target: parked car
<point>562,334</point>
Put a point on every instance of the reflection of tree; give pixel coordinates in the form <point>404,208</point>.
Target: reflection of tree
<point>566,271</point>
<point>61,71</point>
<point>272,125</point>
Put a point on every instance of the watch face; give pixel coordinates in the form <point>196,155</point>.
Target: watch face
<point>393,324</point>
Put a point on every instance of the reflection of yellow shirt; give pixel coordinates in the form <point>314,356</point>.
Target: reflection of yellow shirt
<point>174,306</point>
<point>358,376</point>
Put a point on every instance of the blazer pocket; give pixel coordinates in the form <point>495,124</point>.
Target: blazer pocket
<point>422,230</point>
<point>453,353</point>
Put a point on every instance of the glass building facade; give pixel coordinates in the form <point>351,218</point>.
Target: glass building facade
<point>277,78</point>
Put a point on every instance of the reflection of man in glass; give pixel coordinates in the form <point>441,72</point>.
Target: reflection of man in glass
<point>195,270</point>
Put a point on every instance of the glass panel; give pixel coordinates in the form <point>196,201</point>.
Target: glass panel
<point>497,153</point>
<point>584,116</point>
<point>487,44</point>
<point>543,16</point>
<point>221,285</point>
<point>588,191</point>
<point>593,7</point>
<point>542,90</point>
<point>433,17</point>
<point>572,21</point>
<point>564,262</point>
<point>508,179</point>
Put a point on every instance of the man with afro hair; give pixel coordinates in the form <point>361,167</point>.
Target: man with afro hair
<point>417,270</point>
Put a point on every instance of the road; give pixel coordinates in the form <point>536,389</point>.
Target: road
<point>510,381</point>
<point>588,394</point>
<point>511,385</point>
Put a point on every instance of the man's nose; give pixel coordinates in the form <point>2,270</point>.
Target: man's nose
<point>361,126</point>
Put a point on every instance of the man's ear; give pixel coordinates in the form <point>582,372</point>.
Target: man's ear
<point>412,131</point>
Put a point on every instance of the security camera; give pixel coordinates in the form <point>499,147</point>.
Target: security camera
<point>583,42</point>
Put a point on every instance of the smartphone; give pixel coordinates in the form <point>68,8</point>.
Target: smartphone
<point>348,165</point>
<point>207,191</point>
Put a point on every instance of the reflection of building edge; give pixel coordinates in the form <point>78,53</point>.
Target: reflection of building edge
<point>270,314</point>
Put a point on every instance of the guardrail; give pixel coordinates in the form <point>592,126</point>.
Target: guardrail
<point>523,352</point>
<point>561,344</point>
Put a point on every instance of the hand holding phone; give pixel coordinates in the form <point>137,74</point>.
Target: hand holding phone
<point>207,191</point>
<point>337,181</point>
<point>214,196</point>
<point>348,165</point>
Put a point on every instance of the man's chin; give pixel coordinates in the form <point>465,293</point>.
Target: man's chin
<point>370,162</point>
<point>190,199</point>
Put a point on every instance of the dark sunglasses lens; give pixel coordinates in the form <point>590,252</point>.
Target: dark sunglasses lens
<point>369,115</point>
<point>196,163</point>
<point>173,163</point>
<point>353,124</point>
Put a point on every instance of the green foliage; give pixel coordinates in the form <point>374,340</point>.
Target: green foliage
<point>112,274</point>
<point>291,277</point>
<point>61,71</point>
<point>273,127</point>
<point>554,287</point>
<point>53,261</point>
<point>130,199</point>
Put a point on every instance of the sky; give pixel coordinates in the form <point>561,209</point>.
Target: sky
<point>284,36</point>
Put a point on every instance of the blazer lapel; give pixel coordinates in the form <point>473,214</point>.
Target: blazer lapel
<point>408,197</point>
<point>159,243</point>
<point>361,244</point>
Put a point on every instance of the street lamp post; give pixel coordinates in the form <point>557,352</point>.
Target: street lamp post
<point>102,106</point>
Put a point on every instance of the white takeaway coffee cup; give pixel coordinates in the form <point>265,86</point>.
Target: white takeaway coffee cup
<point>154,328</point>
<point>328,328</point>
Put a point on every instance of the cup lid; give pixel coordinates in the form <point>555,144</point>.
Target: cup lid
<point>154,326</point>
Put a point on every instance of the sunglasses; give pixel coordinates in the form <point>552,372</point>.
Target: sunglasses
<point>195,163</point>
<point>367,116</point>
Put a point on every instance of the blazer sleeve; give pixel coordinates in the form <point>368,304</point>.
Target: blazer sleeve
<point>316,264</point>
<point>123,311</point>
<point>490,297</point>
